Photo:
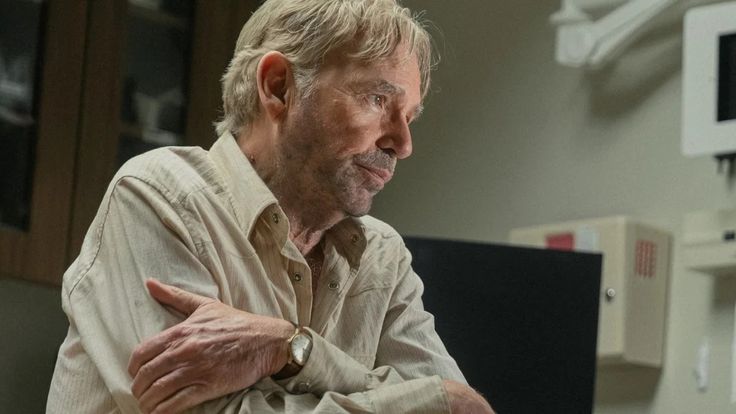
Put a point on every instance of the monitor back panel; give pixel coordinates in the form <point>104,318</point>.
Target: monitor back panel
<point>520,322</point>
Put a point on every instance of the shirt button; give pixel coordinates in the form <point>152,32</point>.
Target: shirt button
<point>302,387</point>
<point>275,217</point>
<point>298,277</point>
<point>333,285</point>
<point>354,238</point>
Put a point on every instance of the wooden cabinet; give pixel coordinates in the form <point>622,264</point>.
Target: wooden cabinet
<point>33,243</point>
<point>114,78</point>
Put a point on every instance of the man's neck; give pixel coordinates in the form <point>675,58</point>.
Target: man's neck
<point>308,216</point>
<point>306,229</point>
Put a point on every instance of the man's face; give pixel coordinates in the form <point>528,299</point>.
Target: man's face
<point>340,144</point>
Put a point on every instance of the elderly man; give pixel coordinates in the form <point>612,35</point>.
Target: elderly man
<point>270,289</point>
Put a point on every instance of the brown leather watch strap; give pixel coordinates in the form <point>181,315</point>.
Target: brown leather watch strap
<point>291,368</point>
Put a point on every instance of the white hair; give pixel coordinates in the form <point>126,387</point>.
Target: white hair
<point>306,31</point>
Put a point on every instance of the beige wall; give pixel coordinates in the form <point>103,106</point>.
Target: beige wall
<point>511,139</point>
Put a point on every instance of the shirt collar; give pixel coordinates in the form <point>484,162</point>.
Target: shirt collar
<point>349,239</point>
<point>251,197</point>
<point>253,201</point>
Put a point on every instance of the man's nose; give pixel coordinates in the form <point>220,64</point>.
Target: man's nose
<point>397,138</point>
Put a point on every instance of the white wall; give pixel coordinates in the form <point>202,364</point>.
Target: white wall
<point>511,139</point>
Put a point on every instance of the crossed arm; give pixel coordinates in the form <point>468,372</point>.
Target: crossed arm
<point>218,350</point>
<point>205,354</point>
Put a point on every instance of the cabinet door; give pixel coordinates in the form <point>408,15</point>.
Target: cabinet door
<point>152,78</point>
<point>41,48</point>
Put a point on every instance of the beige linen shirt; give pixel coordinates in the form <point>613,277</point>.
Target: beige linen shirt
<point>204,221</point>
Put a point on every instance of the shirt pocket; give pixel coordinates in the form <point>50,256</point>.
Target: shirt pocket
<point>359,289</point>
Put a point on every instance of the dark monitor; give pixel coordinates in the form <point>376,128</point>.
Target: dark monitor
<point>727,77</point>
<point>522,323</point>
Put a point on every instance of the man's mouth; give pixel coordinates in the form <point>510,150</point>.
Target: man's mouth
<point>379,174</point>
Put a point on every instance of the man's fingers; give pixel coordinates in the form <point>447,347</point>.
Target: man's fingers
<point>163,388</point>
<point>150,372</point>
<point>181,300</point>
<point>148,350</point>
<point>185,398</point>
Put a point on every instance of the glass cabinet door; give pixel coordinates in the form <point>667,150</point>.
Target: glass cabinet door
<point>21,46</point>
<point>155,75</point>
<point>41,49</point>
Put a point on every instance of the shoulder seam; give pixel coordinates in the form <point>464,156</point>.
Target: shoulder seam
<point>101,226</point>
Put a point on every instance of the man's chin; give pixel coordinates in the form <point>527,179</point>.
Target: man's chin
<point>358,208</point>
<point>355,212</point>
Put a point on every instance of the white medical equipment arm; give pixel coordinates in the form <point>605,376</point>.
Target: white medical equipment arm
<point>583,42</point>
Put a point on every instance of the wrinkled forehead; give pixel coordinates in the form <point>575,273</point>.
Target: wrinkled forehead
<point>402,62</point>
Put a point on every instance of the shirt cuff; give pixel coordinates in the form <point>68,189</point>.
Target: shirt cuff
<point>328,369</point>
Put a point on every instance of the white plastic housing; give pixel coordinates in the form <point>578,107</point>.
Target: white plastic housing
<point>702,133</point>
<point>631,328</point>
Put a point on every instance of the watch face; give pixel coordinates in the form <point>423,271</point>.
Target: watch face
<point>301,345</point>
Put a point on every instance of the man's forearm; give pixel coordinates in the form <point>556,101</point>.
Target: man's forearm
<point>194,361</point>
<point>420,396</point>
<point>217,350</point>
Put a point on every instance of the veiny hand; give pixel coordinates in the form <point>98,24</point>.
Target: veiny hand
<point>465,400</point>
<point>215,351</point>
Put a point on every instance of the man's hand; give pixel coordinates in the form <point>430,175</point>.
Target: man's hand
<point>465,400</point>
<point>215,351</point>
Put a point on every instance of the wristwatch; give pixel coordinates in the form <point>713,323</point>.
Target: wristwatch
<point>299,347</point>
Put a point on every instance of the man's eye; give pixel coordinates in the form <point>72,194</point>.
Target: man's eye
<point>377,100</point>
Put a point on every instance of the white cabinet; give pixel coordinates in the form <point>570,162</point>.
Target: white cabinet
<point>636,262</point>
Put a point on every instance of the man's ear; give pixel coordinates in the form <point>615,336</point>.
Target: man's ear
<point>275,83</point>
